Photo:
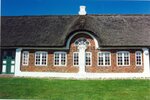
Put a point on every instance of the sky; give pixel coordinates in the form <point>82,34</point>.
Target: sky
<point>71,7</point>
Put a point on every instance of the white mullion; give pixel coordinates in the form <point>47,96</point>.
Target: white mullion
<point>129,58</point>
<point>123,59</point>
<point>59,59</point>
<point>28,58</point>
<point>141,58</point>
<point>54,62</point>
<point>103,59</point>
<point>90,58</point>
<point>65,56</point>
<point>40,58</point>
<point>46,58</point>
<point>137,59</point>
<point>110,59</point>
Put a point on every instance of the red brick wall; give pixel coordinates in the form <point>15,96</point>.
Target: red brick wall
<point>69,68</point>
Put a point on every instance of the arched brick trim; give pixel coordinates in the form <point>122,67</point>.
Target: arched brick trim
<point>82,32</point>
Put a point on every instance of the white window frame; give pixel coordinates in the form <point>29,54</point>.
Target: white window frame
<point>41,58</point>
<point>60,52</point>
<point>136,58</point>
<point>78,59</point>
<point>82,38</point>
<point>85,59</point>
<point>25,58</point>
<point>90,59</point>
<point>103,58</point>
<point>122,58</point>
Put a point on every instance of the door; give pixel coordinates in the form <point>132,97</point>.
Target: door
<point>8,63</point>
<point>82,44</point>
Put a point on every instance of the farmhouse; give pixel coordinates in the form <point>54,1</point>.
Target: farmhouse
<point>76,46</point>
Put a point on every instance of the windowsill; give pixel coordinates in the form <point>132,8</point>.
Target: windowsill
<point>75,66</point>
<point>123,65</point>
<point>139,65</point>
<point>25,65</point>
<point>40,65</point>
<point>59,65</point>
<point>104,66</point>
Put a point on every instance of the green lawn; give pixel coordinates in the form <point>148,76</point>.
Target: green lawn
<point>59,89</point>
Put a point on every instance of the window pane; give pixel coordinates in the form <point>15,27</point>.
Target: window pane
<point>123,58</point>
<point>63,58</point>
<point>56,59</point>
<point>126,58</point>
<point>44,58</point>
<point>88,58</point>
<point>37,58</point>
<point>138,58</point>
<point>60,59</point>
<point>100,59</point>
<point>75,58</point>
<point>41,58</point>
<point>81,41</point>
<point>25,57</point>
<point>104,58</point>
<point>107,58</point>
<point>120,57</point>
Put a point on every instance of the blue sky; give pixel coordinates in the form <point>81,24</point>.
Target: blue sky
<point>66,7</point>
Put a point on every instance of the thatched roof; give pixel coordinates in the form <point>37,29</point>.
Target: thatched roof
<point>52,31</point>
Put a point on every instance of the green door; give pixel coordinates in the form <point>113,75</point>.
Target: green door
<point>8,65</point>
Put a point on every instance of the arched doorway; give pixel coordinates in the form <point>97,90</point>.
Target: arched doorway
<point>83,45</point>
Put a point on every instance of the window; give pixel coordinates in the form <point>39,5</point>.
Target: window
<point>75,59</point>
<point>104,58</point>
<point>88,59</point>
<point>123,58</point>
<point>25,58</point>
<point>41,58</point>
<point>81,41</point>
<point>138,57</point>
<point>60,58</point>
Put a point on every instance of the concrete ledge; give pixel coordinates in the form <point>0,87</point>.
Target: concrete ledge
<point>85,75</point>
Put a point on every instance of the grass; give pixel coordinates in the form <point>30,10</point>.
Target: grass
<point>57,89</point>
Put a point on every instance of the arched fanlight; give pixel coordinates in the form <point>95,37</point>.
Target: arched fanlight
<point>81,41</point>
